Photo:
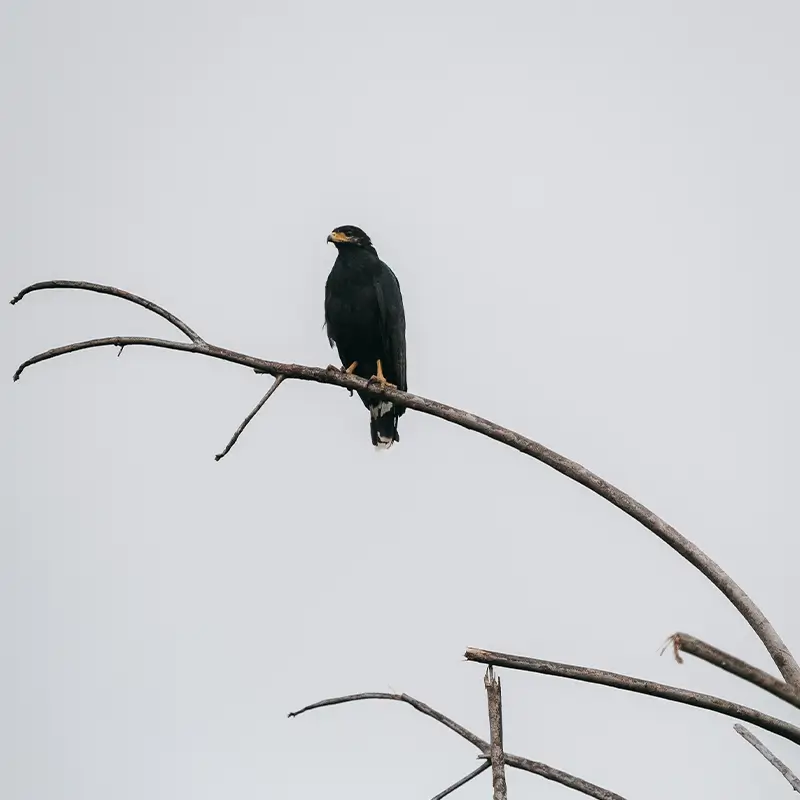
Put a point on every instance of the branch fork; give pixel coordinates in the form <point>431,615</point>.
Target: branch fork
<point>484,747</point>
<point>777,649</point>
<point>492,751</point>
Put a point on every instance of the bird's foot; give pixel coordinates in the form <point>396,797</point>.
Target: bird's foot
<point>348,371</point>
<point>381,378</point>
<point>382,381</point>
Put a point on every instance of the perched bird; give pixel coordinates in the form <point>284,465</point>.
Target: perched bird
<point>364,317</point>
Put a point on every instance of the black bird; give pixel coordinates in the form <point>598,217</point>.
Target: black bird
<point>365,319</point>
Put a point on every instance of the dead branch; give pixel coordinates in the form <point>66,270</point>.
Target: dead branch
<point>525,764</point>
<point>686,643</point>
<point>466,779</point>
<point>779,652</point>
<point>278,381</point>
<point>112,290</point>
<point>494,698</point>
<point>403,698</point>
<point>769,755</point>
<point>557,776</point>
<point>629,684</point>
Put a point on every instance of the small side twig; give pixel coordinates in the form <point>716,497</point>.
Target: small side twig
<point>630,684</point>
<point>525,764</point>
<point>494,697</point>
<point>466,779</point>
<point>794,781</point>
<point>276,383</point>
<point>686,643</point>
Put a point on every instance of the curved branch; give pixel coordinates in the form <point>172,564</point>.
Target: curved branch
<point>684,642</point>
<point>112,290</point>
<point>525,764</point>
<point>629,684</point>
<point>779,652</point>
<point>403,698</point>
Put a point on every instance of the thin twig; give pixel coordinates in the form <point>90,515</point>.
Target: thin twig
<point>466,779</point>
<point>535,767</point>
<point>494,697</point>
<point>686,643</point>
<point>278,381</point>
<point>627,683</point>
<point>403,698</point>
<point>779,652</point>
<point>769,755</point>
<point>112,290</point>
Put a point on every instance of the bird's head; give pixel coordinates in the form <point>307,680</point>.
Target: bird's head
<point>349,236</point>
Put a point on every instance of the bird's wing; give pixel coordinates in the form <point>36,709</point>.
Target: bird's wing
<point>327,306</point>
<point>393,322</point>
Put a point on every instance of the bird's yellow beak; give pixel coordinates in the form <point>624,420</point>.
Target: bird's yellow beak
<point>336,236</point>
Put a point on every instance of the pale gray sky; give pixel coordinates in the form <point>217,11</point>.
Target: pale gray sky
<point>592,210</point>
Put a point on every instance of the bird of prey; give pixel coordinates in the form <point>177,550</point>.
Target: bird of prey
<point>364,317</point>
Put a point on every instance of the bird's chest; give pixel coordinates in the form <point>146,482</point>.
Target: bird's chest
<point>351,299</point>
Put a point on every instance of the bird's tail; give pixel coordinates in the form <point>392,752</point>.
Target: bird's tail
<point>383,424</point>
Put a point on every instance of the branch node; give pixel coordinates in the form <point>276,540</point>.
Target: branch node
<point>525,764</point>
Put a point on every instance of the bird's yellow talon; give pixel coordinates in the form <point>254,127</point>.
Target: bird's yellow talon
<point>381,378</point>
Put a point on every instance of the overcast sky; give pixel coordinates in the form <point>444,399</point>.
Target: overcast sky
<point>592,211</point>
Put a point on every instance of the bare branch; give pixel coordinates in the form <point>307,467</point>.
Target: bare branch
<point>466,779</point>
<point>278,381</point>
<point>494,698</point>
<point>684,642</point>
<point>536,767</point>
<point>779,652</point>
<point>112,290</point>
<point>769,755</point>
<point>564,778</point>
<point>115,341</point>
<point>627,683</point>
<point>403,698</point>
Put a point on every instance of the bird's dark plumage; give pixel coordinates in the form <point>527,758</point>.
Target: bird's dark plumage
<point>365,318</point>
